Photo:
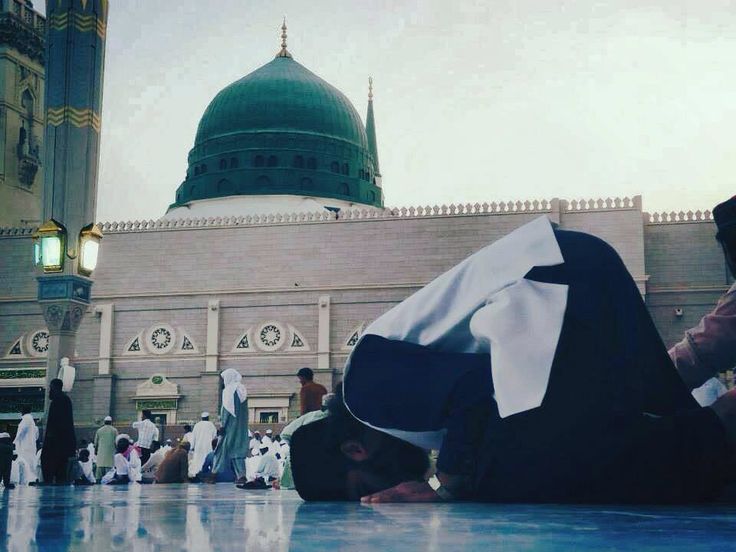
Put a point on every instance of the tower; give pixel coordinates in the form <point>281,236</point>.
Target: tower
<point>370,130</point>
<point>22,74</point>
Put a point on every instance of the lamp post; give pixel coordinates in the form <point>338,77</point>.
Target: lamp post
<point>66,246</point>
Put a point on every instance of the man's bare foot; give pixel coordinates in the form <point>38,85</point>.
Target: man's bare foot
<point>725,409</point>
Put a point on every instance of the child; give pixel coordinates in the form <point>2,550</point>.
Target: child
<point>87,476</point>
<point>121,463</point>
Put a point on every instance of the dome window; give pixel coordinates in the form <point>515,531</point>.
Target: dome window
<point>203,169</point>
<point>307,184</point>
<point>258,161</point>
<point>372,196</point>
<point>361,175</point>
<point>263,181</point>
<point>224,187</point>
<point>233,162</point>
<point>273,161</point>
<point>345,168</point>
<point>192,191</point>
<point>335,167</point>
<point>311,163</point>
<point>223,164</point>
<point>343,189</point>
<point>196,170</point>
<point>298,162</point>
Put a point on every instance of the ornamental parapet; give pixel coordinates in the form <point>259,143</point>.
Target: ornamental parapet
<point>678,217</point>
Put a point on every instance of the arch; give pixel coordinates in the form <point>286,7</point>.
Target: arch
<point>335,167</point>
<point>192,191</point>
<point>361,174</point>
<point>307,184</point>
<point>258,161</point>
<point>224,186</point>
<point>263,180</point>
<point>223,164</point>
<point>233,162</point>
<point>372,196</point>
<point>298,162</point>
<point>196,170</point>
<point>345,168</point>
<point>311,163</point>
<point>273,161</point>
<point>204,168</point>
<point>343,188</point>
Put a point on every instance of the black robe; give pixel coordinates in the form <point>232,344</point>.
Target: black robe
<point>59,441</point>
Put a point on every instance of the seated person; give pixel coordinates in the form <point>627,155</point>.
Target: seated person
<point>535,370</point>
<point>148,470</point>
<point>175,467</point>
<point>267,471</point>
<point>85,475</point>
<point>120,473</point>
<point>205,474</point>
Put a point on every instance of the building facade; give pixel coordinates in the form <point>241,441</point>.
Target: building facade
<point>22,112</point>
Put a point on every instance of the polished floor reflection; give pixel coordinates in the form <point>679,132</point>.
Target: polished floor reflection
<point>221,517</point>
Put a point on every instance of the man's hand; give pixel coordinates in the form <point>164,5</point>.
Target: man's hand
<point>408,491</point>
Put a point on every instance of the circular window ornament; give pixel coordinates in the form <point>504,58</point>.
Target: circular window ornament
<point>39,343</point>
<point>271,336</point>
<point>161,339</point>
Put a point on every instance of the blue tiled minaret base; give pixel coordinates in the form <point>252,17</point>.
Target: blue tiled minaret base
<point>75,55</point>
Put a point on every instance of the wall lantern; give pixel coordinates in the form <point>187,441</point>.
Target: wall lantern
<point>89,247</point>
<point>48,246</point>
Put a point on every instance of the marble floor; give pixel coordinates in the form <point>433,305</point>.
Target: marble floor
<point>220,517</point>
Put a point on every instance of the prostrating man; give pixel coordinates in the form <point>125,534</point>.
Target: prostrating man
<point>59,441</point>
<point>233,448</point>
<point>710,347</point>
<point>311,393</point>
<point>105,447</point>
<point>266,473</point>
<point>147,432</point>
<point>175,467</point>
<point>534,368</point>
<point>202,435</point>
<point>26,438</point>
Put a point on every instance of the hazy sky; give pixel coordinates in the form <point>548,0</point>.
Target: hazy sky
<point>474,100</point>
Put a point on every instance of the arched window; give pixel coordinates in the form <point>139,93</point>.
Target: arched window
<point>196,170</point>
<point>307,184</point>
<point>233,162</point>
<point>311,163</point>
<point>345,168</point>
<point>372,196</point>
<point>263,181</point>
<point>298,162</point>
<point>204,168</point>
<point>360,174</point>
<point>335,167</point>
<point>192,191</point>
<point>224,186</point>
<point>223,164</point>
<point>258,161</point>
<point>343,189</point>
<point>273,161</point>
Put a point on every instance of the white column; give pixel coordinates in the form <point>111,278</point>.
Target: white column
<point>105,312</point>
<point>323,336</point>
<point>213,335</point>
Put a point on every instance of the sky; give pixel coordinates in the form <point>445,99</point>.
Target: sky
<point>474,100</point>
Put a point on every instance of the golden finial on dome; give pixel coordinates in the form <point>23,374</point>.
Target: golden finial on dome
<point>284,52</point>
<point>370,89</point>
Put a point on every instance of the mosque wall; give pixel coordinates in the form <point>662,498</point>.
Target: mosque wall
<point>268,296</point>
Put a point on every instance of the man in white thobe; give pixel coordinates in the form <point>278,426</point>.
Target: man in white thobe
<point>201,441</point>
<point>25,441</point>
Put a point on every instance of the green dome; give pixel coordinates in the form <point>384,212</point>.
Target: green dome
<point>283,95</point>
<point>281,130</point>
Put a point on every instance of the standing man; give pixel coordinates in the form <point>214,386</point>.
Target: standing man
<point>105,447</point>
<point>311,393</point>
<point>202,436</point>
<point>59,440</point>
<point>147,433</point>
<point>26,438</point>
<point>710,347</point>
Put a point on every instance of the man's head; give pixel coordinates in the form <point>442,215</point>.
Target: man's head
<point>724,215</point>
<point>83,455</point>
<point>184,445</point>
<point>257,435</point>
<point>5,438</point>
<point>187,428</point>
<point>340,458</point>
<point>122,444</point>
<point>305,375</point>
<point>108,420</point>
<point>155,445</point>
<point>205,415</point>
<point>55,387</point>
<point>146,414</point>
<point>25,409</point>
<point>82,443</point>
<point>269,433</point>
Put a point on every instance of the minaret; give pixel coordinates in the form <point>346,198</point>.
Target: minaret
<point>370,129</point>
<point>75,55</point>
<point>283,52</point>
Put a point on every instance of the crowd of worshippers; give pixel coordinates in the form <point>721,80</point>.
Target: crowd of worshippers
<point>204,454</point>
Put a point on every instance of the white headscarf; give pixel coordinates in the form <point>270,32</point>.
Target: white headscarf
<point>232,380</point>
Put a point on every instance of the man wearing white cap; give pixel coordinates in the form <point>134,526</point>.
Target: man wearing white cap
<point>105,447</point>
<point>202,435</point>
